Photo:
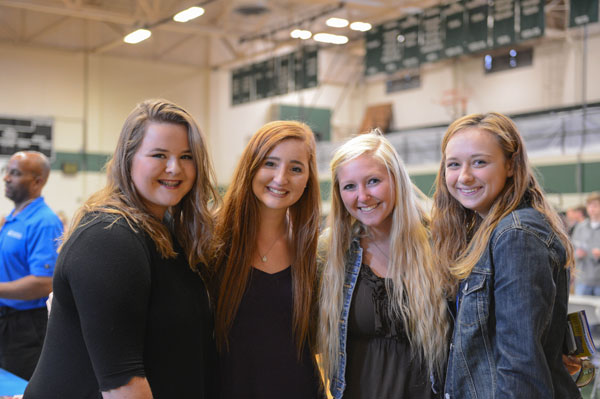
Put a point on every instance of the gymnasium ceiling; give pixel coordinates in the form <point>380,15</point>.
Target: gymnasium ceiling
<point>229,32</point>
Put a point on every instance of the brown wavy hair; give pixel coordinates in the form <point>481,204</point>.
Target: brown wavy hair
<point>237,228</point>
<point>460,235</point>
<point>192,217</point>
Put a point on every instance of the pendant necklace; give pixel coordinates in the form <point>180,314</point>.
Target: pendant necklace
<point>263,258</point>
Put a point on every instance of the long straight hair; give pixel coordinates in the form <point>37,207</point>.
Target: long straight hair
<point>416,283</point>
<point>237,229</point>
<point>192,217</point>
<point>459,234</point>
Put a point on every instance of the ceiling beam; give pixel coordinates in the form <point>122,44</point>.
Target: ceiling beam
<point>46,29</point>
<point>84,13</point>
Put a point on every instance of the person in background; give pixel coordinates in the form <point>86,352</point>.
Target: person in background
<point>130,316</point>
<point>265,258</point>
<point>586,240</point>
<point>28,249</point>
<point>494,230</point>
<point>383,325</point>
<point>573,216</point>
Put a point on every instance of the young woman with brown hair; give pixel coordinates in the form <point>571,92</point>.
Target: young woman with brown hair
<point>498,236</point>
<point>265,257</point>
<point>130,315</point>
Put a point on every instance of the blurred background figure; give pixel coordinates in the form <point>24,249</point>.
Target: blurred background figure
<point>586,240</point>
<point>28,244</point>
<point>573,216</point>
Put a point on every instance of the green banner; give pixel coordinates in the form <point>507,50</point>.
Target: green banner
<point>374,49</point>
<point>477,27</point>
<point>454,28</point>
<point>409,42</point>
<point>262,83</point>
<point>241,85</point>
<point>532,19</point>
<point>310,67</point>
<point>391,51</point>
<point>583,12</point>
<point>430,32</point>
<point>275,76</point>
<point>504,22</point>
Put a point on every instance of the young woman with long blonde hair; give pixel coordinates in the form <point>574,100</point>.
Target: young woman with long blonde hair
<point>265,258</point>
<point>383,324</point>
<point>498,236</point>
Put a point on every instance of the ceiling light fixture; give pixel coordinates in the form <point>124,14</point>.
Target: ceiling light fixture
<point>189,14</point>
<point>337,22</point>
<point>137,36</point>
<point>360,26</point>
<point>301,34</point>
<point>330,38</point>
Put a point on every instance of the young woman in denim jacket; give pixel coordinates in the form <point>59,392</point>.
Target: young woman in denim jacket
<point>266,242</point>
<point>494,230</point>
<point>383,328</point>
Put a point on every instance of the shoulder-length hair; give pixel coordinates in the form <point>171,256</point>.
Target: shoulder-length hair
<point>192,217</point>
<point>460,236</point>
<point>237,228</point>
<point>415,286</point>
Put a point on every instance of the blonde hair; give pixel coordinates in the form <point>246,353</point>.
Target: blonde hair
<point>237,228</point>
<point>415,286</point>
<point>192,216</point>
<point>460,236</point>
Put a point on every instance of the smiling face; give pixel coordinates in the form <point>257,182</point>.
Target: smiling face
<point>163,170</point>
<point>476,169</point>
<point>281,179</point>
<point>366,188</point>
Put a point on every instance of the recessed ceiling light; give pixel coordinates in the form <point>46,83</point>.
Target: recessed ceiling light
<point>330,38</point>
<point>189,14</point>
<point>360,26</point>
<point>137,36</point>
<point>301,34</point>
<point>337,22</point>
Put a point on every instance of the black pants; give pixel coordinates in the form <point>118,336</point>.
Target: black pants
<point>21,339</point>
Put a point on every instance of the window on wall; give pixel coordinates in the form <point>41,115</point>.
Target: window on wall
<point>507,59</point>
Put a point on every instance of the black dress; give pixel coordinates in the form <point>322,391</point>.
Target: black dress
<point>120,310</point>
<point>262,361</point>
<point>379,362</point>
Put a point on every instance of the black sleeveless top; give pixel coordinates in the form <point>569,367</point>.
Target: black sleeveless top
<point>379,362</point>
<point>262,360</point>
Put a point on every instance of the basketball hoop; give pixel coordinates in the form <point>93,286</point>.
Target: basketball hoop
<point>455,101</point>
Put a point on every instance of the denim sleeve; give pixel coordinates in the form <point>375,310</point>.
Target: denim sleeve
<point>524,292</point>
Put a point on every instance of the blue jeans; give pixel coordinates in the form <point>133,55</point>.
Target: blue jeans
<point>584,289</point>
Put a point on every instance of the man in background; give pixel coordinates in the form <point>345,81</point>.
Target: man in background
<point>28,244</point>
<point>574,215</point>
<point>586,240</point>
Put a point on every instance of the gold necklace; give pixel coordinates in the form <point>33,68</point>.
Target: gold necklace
<point>263,258</point>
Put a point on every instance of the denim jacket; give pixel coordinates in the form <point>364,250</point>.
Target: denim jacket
<point>511,321</point>
<point>352,266</point>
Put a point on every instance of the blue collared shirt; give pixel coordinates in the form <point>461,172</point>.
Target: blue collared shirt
<point>28,245</point>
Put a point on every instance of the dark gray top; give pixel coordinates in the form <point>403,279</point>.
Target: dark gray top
<point>380,364</point>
